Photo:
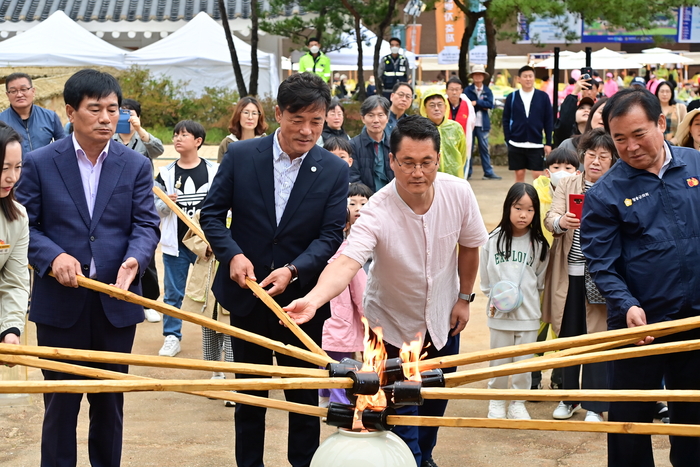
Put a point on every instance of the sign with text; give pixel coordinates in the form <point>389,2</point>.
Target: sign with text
<point>449,22</point>
<point>688,24</point>
<point>549,30</point>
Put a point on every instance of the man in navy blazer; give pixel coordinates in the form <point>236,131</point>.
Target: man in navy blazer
<point>91,213</point>
<point>288,202</point>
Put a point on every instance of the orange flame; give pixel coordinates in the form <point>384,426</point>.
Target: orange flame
<point>373,358</point>
<point>410,355</point>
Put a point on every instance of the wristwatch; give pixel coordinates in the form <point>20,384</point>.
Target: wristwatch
<point>293,270</point>
<point>467,297</point>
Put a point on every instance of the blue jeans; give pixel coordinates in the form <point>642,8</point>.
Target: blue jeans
<point>481,138</point>
<point>175,279</point>
<point>422,440</point>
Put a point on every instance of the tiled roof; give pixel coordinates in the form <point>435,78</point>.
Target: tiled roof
<point>127,10</point>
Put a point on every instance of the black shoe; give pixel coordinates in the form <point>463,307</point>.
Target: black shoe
<point>429,463</point>
<point>491,177</point>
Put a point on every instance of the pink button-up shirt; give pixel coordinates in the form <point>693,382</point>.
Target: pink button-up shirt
<point>413,282</point>
<point>90,175</point>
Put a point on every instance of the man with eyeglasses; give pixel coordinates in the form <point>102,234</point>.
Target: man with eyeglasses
<point>370,148</point>
<point>401,100</point>
<point>423,232</point>
<point>453,140</point>
<point>37,125</point>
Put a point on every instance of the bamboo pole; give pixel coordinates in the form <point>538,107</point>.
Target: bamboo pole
<point>236,397</point>
<point>549,425</point>
<point>284,317</point>
<point>160,362</point>
<point>602,395</point>
<point>85,386</point>
<point>183,217</point>
<point>463,377</point>
<point>195,318</point>
<point>656,330</point>
<point>257,290</point>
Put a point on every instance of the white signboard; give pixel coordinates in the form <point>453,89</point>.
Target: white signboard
<point>549,30</point>
<point>689,24</point>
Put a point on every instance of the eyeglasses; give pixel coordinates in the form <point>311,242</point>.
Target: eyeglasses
<point>436,105</point>
<point>601,158</point>
<point>250,114</point>
<point>403,95</point>
<point>427,167</point>
<point>182,136</point>
<point>13,92</point>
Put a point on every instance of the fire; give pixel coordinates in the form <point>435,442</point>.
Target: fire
<point>373,358</point>
<point>410,355</point>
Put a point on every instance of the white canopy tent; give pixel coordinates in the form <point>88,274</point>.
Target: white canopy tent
<point>198,53</point>
<point>59,41</point>
<point>503,62</point>
<point>603,59</point>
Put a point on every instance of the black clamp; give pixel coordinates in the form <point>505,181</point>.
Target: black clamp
<point>377,420</point>
<point>340,415</point>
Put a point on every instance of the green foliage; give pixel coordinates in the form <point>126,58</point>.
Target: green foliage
<point>324,20</point>
<point>164,103</point>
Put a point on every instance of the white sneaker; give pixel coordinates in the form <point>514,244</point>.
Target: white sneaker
<point>171,347</point>
<point>152,316</point>
<point>323,402</point>
<point>517,411</point>
<point>218,375</point>
<point>594,417</point>
<point>564,411</point>
<point>229,404</point>
<point>497,409</point>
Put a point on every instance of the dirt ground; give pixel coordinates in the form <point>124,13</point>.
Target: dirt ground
<point>163,429</point>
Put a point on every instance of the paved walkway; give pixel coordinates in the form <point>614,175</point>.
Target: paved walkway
<point>164,429</point>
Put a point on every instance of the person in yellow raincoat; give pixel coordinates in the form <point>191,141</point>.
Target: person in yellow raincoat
<point>453,142</point>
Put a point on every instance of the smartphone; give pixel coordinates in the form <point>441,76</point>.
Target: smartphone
<point>123,125</point>
<point>576,204</point>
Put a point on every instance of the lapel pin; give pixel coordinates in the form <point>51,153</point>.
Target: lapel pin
<point>313,169</point>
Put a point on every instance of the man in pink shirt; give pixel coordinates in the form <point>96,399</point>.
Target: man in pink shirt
<point>420,282</point>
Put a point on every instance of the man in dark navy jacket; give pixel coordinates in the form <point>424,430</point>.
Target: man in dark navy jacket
<point>527,115</point>
<point>288,202</point>
<point>639,233</point>
<point>91,213</point>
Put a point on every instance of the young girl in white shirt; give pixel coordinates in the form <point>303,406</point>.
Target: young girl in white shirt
<point>516,251</point>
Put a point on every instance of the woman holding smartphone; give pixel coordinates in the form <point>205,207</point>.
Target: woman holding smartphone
<point>567,285</point>
<point>14,241</point>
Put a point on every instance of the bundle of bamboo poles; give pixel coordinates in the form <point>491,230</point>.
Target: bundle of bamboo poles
<point>572,351</point>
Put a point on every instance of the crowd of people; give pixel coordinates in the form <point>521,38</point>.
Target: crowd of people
<point>383,225</point>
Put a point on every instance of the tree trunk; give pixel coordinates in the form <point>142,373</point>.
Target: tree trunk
<point>255,68</point>
<point>379,32</point>
<point>361,90</point>
<point>491,45</point>
<point>240,83</point>
<point>472,19</point>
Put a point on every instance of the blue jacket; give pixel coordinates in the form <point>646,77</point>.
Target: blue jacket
<point>521,129</point>
<point>42,127</point>
<point>483,105</point>
<point>641,237</point>
<point>123,224</point>
<point>362,169</point>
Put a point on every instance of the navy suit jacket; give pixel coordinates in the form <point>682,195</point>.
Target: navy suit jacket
<point>124,223</point>
<point>308,235</point>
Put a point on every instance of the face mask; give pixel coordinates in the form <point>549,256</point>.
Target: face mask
<point>556,177</point>
<point>314,49</point>
<point>395,50</point>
